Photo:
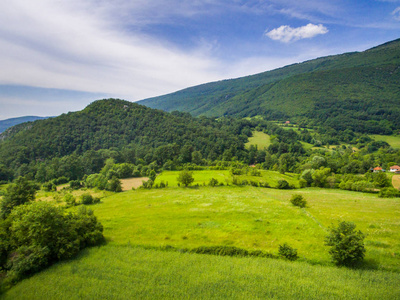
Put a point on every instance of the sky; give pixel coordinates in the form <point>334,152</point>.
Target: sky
<point>58,56</point>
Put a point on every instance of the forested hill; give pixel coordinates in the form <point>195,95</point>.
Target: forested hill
<point>4,124</point>
<point>135,131</point>
<point>358,91</point>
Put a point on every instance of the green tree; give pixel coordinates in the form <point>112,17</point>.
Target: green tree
<point>185,177</point>
<point>298,200</point>
<point>347,244</point>
<point>17,193</point>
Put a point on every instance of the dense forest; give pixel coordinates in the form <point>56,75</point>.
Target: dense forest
<point>357,91</point>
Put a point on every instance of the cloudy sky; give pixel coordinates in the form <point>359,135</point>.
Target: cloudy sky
<point>59,55</point>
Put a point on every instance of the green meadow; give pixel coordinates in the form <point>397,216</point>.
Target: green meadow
<point>225,177</point>
<point>149,235</point>
<point>259,139</point>
<point>127,272</point>
<point>392,140</point>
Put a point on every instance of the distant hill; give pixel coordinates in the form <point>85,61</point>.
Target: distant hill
<point>118,125</point>
<point>358,90</point>
<point>4,124</point>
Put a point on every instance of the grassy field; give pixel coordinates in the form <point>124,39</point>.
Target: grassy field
<point>224,176</point>
<point>251,218</point>
<point>259,139</point>
<point>392,140</point>
<point>123,272</point>
<point>396,181</point>
<point>245,217</point>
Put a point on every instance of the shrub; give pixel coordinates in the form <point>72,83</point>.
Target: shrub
<point>86,199</point>
<point>298,200</point>
<point>147,184</point>
<point>49,187</point>
<point>347,244</point>
<point>213,182</point>
<point>288,252</point>
<point>41,233</point>
<point>389,193</point>
<point>221,250</point>
<point>75,184</point>
<point>185,177</point>
<point>114,185</point>
<point>70,200</point>
<point>283,184</point>
<point>60,180</point>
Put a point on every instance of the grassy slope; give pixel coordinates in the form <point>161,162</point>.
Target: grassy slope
<point>111,272</point>
<point>392,140</point>
<point>247,217</point>
<point>259,139</point>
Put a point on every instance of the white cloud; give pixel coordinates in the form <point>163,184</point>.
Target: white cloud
<point>396,14</point>
<point>66,45</point>
<point>286,34</point>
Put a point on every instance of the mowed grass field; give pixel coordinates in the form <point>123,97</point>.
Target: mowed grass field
<point>224,176</point>
<point>246,217</point>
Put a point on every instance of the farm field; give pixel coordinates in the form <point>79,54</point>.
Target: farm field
<point>129,183</point>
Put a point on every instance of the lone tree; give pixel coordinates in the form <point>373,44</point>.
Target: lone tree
<point>347,244</point>
<point>185,177</point>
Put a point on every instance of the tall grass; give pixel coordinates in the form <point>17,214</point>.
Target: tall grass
<point>123,272</point>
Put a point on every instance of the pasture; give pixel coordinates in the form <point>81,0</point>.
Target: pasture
<point>138,224</point>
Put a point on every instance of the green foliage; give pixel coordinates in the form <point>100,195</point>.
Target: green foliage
<point>75,184</point>
<point>347,244</point>
<point>70,200</point>
<point>96,180</point>
<point>389,192</point>
<point>49,187</point>
<point>213,182</point>
<point>114,185</point>
<point>220,250</point>
<point>283,184</point>
<point>86,199</point>
<point>17,193</point>
<point>288,252</point>
<point>185,177</point>
<point>41,233</point>
<point>298,200</point>
<point>153,175</point>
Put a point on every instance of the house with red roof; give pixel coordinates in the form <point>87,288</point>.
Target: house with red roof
<point>378,169</point>
<point>394,169</point>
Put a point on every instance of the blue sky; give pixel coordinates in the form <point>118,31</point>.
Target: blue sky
<point>59,55</point>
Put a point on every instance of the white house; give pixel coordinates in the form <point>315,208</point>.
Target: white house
<point>395,169</point>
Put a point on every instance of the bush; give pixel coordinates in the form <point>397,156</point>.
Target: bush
<point>389,193</point>
<point>87,199</point>
<point>114,185</point>
<point>347,244</point>
<point>283,184</point>
<point>75,184</point>
<point>298,200</point>
<point>288,252</point>
<point>213,182</point>
<point>221,250</point>
<point>60,180</point>
<point>70,200</point>
<point>40,233</point>
<point>185,177</point>
<point>49,187</point>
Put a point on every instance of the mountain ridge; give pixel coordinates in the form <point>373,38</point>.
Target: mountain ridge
<point>369,78</point>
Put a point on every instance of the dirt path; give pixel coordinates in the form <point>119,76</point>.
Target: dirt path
<point>129,183</point>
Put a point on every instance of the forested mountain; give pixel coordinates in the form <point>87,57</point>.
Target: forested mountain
<point>358,91</point>
<point>123,130</point>
<point>4,124</point>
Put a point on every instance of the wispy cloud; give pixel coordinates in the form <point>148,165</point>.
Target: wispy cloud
<point>287,34</point>
<point>396,14</point>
